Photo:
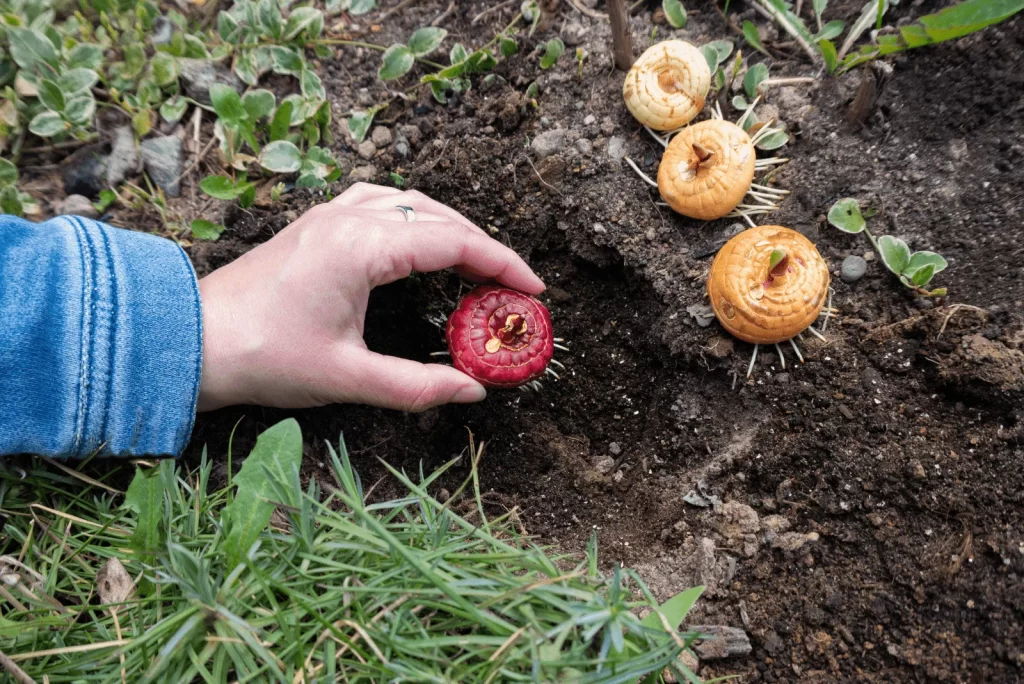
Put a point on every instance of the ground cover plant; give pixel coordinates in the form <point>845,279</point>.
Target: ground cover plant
<point>263,580</point>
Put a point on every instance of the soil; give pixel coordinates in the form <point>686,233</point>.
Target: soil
<point>872,526</point>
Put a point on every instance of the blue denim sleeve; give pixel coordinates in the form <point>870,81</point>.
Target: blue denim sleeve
<point>100,340</point>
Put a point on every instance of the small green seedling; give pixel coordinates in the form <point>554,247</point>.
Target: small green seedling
<point>206,230</point>
<point>397,179</point>
<point>753,37</point>
<point>106,199</point>
<point>581,56</point>
<point>398,59</point>
<point>716,52</point>
<point>914,269</point>
<point>675,13</point>
<point>553,49</point>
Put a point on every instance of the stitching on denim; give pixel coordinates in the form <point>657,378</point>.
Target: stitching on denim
<point>198,369</point>
<point>93,314</point>
<point>83,395</point>
<point>112,334</point>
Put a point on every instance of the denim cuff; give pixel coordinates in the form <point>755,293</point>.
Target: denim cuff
<point>111,342</point>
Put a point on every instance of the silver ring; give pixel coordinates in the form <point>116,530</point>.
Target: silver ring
<point>410,213</point>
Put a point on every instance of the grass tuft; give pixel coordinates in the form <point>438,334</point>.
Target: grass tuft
<point>263,580</point>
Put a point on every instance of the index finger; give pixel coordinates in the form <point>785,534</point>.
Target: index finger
<point>433,246</point>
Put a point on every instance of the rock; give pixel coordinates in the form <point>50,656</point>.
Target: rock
<point>364,173</point>
<point>584,146</point>
<point>782,379</point>
<point>702,313</point>
<point>589,120</point>
<point>548,142</point>
<point>160,34</point>
<point>738,524</point>
<point>916,470</point>
<point>958,149</point>
<point>411,133</point>
<point>616,147</point>
<point>723,642</point>
<point>853,269</point>
<point>77,205</point>
<point>199,74</point>
<point>367,149</point>
<point>552,169</point>
<point>607,126</point>
<point>402,146</point>
<point>772,642</point>
<point>574,33</point>
<point>123,160</point>
<point>162,160</point>
<point>719,347</point>
<point>381,136</point>
<point>605,465</point>
<point>600,229</point>
<point>791,541</point>
<point>614,449</point>
<point>85,171</point>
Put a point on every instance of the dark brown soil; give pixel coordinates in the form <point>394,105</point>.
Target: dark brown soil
<point>899,444</point>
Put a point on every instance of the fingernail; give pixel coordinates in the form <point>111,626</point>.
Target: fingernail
<point>468,395</point>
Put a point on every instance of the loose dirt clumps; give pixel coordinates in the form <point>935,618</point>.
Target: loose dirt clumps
<point>888,464</point>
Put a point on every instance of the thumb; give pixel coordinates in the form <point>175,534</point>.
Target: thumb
<point>391,382</point>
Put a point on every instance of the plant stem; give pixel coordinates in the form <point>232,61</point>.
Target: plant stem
<point>874,243</point>
<point>622,40</point>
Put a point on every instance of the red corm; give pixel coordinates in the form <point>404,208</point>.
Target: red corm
<point>500,337</point>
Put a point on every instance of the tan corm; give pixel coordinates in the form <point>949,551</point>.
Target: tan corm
<point>667,86</point>
<point>707,169</point>
<point>762,304</point>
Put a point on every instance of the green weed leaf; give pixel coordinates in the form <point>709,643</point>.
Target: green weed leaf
<point>396,62</point>
<point>458,54</point>
<point>675,13</point>
<point>206,230</point>
<point>300,19</point>
<point>281,156</point>
<point>282,121</point>
<point>716,52</point>
<point>85,56</point>
<point>552,51</point>
<point>508,46</point>
<point>51,95</point>
<point>145,496</point>
<point>222,187</point>
<point>755,74</point>
<point>894,252</point>
<point>80,110</point>
<point>47,124</point>
<point>819,7</point>
<point>29,48</point>
<point>10,201</point>
<point>740,102</point>
<point>278,452</point>
<point>923,259</point>
<point>164,69</point>
<point>830,30</point>
<point>227,103</point>
<point>675,609</point>
<point>923,275</point>
<point>359,123</point>
<point>359,7</point>
<point>425,40</point>
<point>845,215</point>
<point>8,172</point>
<point>258,103</point>
<point>753,36</point>
<point>286,61</point>
<point>828,52</point>
<point>173,109</point>
<point>74,81</point>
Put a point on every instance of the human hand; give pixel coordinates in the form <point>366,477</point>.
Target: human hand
<point>283,323</point>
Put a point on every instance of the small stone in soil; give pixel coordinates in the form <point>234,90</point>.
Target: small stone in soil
<point>381,136</point>
<point>616,147</point>
<point>614,449</point>
<point>364,173</point>
<point>412,133</point>
<point>77,205</point>
<point>160,33</point>
<point>607,126</point>
<point>600,229</point>
<point>726,642</point>
<point>547,143</point>
<point>702,313</point>
<point>162,159</point>
<point>84,172</point>
<point>853,269</point>
<point>584,146</point>
<point>199,74</point>
<point>367,149</point>
<point>791,541</point>
<point>401,146</point>
<point>123,160</point>
<point>589,119</point>
<point>718,347</point>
